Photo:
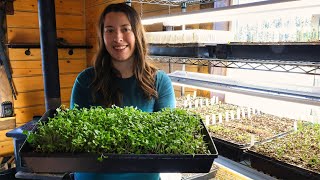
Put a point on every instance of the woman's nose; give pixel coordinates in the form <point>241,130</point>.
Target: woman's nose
<point>118,37</point>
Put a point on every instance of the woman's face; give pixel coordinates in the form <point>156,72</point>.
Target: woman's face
<point>118,36</point>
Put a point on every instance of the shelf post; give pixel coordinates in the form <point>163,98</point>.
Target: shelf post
<point>49,53</point>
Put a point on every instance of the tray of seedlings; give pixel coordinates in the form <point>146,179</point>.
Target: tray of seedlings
<point>293,156</point>
<point>233,136</point>
<point>215,113</point>
<point>234,129</point>
<point>118,140</point>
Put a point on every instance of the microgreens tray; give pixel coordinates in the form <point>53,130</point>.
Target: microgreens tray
<point>117,163</point>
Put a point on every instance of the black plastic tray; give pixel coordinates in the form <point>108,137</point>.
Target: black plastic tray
<point>179,51</point>
<point>279,169</point>
<point>230,150</point>
<point>144,163</point>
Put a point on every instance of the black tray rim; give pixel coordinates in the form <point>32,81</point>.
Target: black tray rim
<point>26,153</point>
<point>248,145</point>
<point>282,163</point>
<point>235,145</point>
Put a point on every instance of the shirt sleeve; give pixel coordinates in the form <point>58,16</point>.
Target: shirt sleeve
<point>81,92</point>
<point>166,96</point>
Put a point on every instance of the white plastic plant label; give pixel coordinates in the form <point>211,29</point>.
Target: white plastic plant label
<point>238,114</point>
<point>252,139</point>
<point>196,103</point>
<point>190,104</point>
<point>188,97</point>
<point>185,103</point>
<point>207,120</point>
<point>212,100</point>
<point>214,121</point>
<point>220,118</point>
<point>227,116</point>
<point>232,115</point>
<point>243,113</point>
<point>217,100</point>
<point>249,112</point>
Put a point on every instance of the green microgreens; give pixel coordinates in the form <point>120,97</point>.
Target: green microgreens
<point>120,131</point>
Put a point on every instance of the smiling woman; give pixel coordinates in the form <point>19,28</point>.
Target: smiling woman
<point>120,41</point>
<point>121,75</point>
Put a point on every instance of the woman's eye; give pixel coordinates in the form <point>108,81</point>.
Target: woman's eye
<point>126,29</point>
<point>108,30</point>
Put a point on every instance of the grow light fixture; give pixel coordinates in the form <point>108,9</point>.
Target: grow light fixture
<point>257,9</point>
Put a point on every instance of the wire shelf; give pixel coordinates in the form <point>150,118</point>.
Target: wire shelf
<point>175,2</point>
<point>311,68</point>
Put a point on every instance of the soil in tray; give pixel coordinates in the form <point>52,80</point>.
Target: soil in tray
<point>300,148</point>
<point>262,126</point>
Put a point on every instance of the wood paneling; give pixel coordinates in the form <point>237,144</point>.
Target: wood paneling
<point>35,83</point>
<point>35,98</point>
<point>93,3</point>
<point>28,68</point>
<point>61,6</point>
<point>5,90</point>
<point>7,123</point>
<point>6,148</point>
<point>19,54</point>
<point>3,136</point>
<point>32,35</point>
<point>24,115</point>
<point>30,20</point>
<point>23,27</point>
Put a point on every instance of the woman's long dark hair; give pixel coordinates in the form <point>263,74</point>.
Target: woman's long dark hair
<point>105,74</point>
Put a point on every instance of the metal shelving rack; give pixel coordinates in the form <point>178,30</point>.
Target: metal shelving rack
<point>304,60</point>
<point>311,68</point>
<point>174,2</point>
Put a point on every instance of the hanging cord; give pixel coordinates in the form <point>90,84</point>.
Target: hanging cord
<point>3,55</point>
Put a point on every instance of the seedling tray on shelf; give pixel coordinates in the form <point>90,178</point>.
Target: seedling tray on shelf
<point>230,150</point>
<point>116,163</point>
<point>278,168</point>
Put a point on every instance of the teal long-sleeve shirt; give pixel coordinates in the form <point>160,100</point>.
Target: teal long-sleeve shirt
<point>132,96</point>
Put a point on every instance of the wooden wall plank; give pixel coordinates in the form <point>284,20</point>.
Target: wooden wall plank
<point>26,72</point>
<point>35,83</point>
<point>92,3</point>
<point>24,115</point>
<point>3,136</point>
<point>28,68</point>
<point>6,148</point>
<point>7,123</point>
<point>32,35</point>
<point>35,98</point>
<point>30,20</point>
<point>61,6</point>
<point>19,54</point>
